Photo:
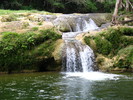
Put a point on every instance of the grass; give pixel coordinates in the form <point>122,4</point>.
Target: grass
<point>34,28</point>
<point>6,12</point>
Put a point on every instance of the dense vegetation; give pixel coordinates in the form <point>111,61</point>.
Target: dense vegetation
<point>114,42</point>
<point>26,51</point>
<point>63,6</point>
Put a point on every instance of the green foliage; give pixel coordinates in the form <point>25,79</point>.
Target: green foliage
<point>60,6</point>
<point>103,46</point>
<point>90,6</point>
<point>116,38</point>
<point>112,40</point>
<point>126,31</point>
<point>16,49</point>
<point>87,40</point>
<point>125,58</point>
<point>8,12</point>
<point>34,28</point>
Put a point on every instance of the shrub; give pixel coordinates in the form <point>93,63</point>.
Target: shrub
<point>16,49</point>
<point>103,46</point>
<point>125,58</point>
<point>126,31</point>
<point>112,40</point>
<point>87,40</point>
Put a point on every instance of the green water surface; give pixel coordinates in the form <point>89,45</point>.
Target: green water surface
<point>55,86</point>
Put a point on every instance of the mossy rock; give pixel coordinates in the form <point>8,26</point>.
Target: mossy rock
<point>125,58</point>
<point>9,18</point>
<point>27,51</point>
<point>113,48</point>
<point>36,18</point>
<point>101,18</point>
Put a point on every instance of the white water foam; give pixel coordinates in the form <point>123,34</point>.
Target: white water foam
<point>93,76</point>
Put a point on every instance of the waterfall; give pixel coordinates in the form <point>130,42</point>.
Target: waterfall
<point>78,57</point>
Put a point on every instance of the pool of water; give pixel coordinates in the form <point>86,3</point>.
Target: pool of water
<point>66,86</point>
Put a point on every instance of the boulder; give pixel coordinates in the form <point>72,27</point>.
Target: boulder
<point>57,54</point>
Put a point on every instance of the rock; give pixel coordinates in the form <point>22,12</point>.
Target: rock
<point>101,18</point>
<point>49,17</point>
<point>64,23</point>
<point>104,63</point>
<point>109,58</point>
<point>124,58</point>
<point>36,17</point>
<point>57,54</point>
<point>46,25</point>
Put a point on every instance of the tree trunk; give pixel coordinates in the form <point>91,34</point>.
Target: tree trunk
<point>117,5</point>
<point>127,5</point>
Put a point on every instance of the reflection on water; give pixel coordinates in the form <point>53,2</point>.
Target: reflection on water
<point>56,86</point>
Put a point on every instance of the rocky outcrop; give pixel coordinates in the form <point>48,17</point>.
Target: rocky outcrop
<point>68,22</point>
<point>57,54</point>
<point>113,48</point>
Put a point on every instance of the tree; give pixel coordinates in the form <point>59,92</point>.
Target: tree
<point>126,4</point>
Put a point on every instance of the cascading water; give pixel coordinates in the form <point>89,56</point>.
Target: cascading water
<point>78,57</point>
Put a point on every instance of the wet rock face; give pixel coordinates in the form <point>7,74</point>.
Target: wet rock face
<point>74,23</point>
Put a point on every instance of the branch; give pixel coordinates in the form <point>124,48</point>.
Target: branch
<point>124,22</point>
<point>130,4</point>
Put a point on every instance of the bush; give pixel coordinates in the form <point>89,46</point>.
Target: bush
<point>103,46</point>
<point>126,31</point>
<point>125,58</point>
<point>16,49</point>
<point>112,40</point>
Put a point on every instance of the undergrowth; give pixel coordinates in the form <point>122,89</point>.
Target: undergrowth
<point>113,42</point>
<point>16,50</point>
